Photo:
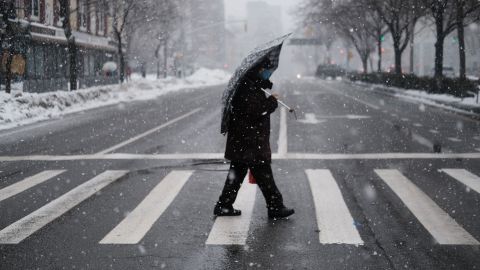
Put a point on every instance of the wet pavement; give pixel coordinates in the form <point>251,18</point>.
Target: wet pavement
<point>376,182</point>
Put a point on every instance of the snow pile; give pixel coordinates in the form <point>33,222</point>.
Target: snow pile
<point>472,101</point>
<point>210,77</point>
<point>24,108</point>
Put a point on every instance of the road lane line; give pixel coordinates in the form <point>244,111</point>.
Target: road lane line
<point>478,149</point>
<point>276,156</point>
<point>422,140</point>
<point>334,220</point>
<point>439,224</point>
<point>234,230</point>
<point>135,226</point>
<point>282,138</point>
<point>27,183</point>
<point>467,178</point>
<point>21,229</point>
<point>122,144</point>
<point>354,98</point>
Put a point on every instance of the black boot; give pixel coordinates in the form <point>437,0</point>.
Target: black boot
<point>280,212</point>
<point>221,211</point>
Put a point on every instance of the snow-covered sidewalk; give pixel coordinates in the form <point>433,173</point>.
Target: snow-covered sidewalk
<point>468,105</point>
<point>24,108</point>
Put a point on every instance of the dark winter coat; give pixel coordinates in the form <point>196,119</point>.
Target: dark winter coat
<point>248,137</point>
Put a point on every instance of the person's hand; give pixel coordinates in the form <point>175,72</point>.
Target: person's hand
<point>276,95</point>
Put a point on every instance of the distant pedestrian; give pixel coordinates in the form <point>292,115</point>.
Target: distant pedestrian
<point>128,73</point>
<point>248,144</point>
<point>143,70</point>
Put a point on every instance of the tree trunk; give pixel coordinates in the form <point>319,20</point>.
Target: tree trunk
<point>379,45</point>
<point>412,50</point>
<point>365,64</point>
<point>71,46</point>
<point>72,56</point>
<point>398,59</point>
<point>439,46</point>
<point>8,75</point>
<point>122,58</point>
<point>461,40</point>
<point>165,58</point>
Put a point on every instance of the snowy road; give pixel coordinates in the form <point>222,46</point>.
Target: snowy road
<point>132,186</point>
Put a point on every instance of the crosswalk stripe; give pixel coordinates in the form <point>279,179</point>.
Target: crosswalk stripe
<point>21,229</point>
<point>467,178</point>
<point>334,220</point>
<point>134,227</point>
<point>27,183</point>
<point>234,230</point>
<point>439,224</point>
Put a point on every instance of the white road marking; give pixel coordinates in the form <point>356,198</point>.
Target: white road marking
<point>363,102</point>
<point>120,145</point>
<point>439,224</point>
<point>453,139</point>
<point>334,220</point>
<point>27,183</point>
<point>136,225</point>
<point>476,138</point>
<point>348,116</point>
<point>418,125</point>
<point>478,149</point>
<point>405,119</point>
<point>467,178</point>
<point>310,118</point>
<point>282,138</point>
<point>354,98</point>
<point>21,229</point>
<point>422,140</point>
<point>276,156</point>
<point>434,131</point>
<point>234,230</point>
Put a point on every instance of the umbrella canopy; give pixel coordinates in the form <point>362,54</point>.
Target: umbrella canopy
<point>270,51</point>
<point>109,66</point>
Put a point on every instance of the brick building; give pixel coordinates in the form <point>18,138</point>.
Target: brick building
<point>45,52</point>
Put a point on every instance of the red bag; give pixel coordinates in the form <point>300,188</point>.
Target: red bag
<point>251,179</point>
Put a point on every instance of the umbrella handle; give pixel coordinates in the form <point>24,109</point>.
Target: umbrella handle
<point>283,104</point>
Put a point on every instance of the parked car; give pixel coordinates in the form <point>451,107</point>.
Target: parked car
<point>324,71</point>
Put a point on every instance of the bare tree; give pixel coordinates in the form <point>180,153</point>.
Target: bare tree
<point>7,11</point>
<point>375,26</point>
<point>399,15</point>
<point>467,12</point>
<point>125,13</point>
<point>315,14</point>
<point>349,20</point>
<point>65,13</point>
<point>167,17</point>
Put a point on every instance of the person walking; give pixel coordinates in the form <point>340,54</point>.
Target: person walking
<point>248,144</point>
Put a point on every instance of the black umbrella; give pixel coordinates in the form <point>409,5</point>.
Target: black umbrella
<point>270,51</point>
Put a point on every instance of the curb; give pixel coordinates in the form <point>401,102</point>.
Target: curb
<point>465,110</point>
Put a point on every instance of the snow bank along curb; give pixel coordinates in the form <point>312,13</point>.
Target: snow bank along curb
<point>24,108</point>
<point>466,106</point>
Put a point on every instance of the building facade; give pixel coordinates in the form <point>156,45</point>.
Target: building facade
<point>45,52</point>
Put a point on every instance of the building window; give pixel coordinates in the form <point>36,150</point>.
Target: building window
<point>101,22</point>
<point>34,10</point>
<point>82,15</point>
<point>56,13</point>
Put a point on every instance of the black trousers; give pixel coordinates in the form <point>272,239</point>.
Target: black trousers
<point>264,177</point>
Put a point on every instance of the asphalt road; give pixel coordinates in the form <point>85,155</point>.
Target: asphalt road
<point>132,186</point>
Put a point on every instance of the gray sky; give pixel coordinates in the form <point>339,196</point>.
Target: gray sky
<point>236,9</point>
